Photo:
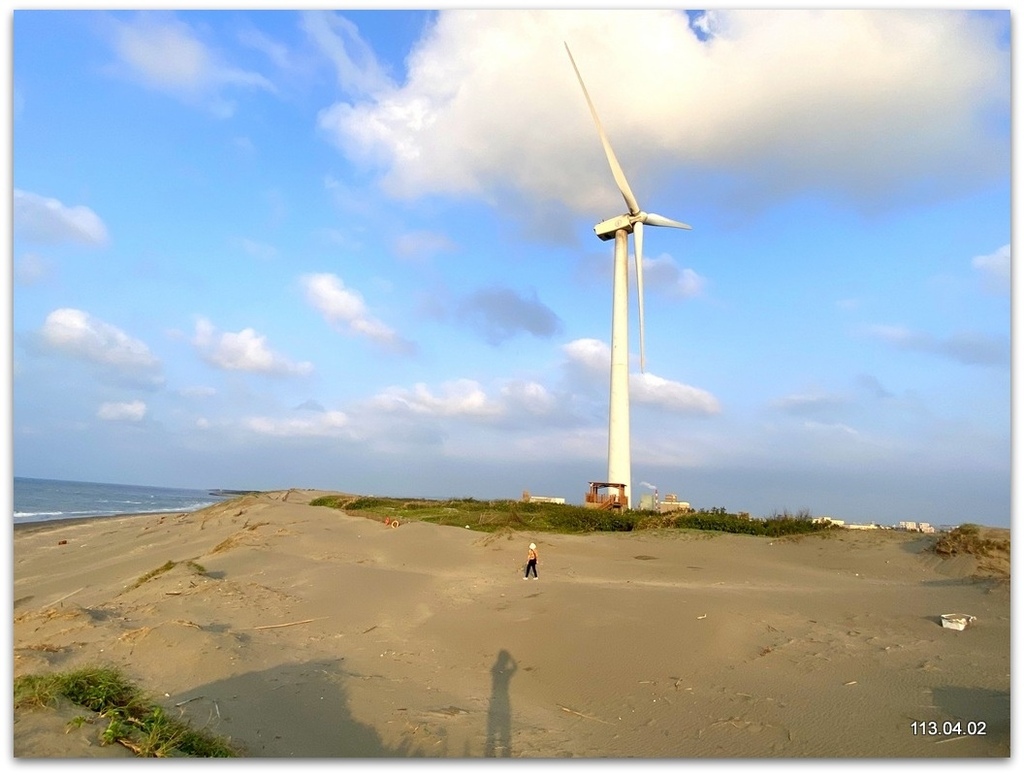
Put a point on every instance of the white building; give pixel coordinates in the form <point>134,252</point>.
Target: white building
<point>528,498</point>
<point>672,503</point>
<point>917,527</point>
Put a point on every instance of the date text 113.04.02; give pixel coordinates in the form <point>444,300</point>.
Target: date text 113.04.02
<point>948,728</point>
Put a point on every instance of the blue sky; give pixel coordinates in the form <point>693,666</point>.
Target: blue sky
<point>354,251</point>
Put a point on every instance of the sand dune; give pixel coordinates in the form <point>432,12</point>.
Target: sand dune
<point>300,631</point>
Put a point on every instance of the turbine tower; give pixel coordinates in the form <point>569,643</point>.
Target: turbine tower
<point>619,228</point>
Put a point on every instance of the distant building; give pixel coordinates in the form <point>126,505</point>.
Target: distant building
<point>828,521</point>
<point>528,498</point>
<point>672,503</point>
<point>916,527</point>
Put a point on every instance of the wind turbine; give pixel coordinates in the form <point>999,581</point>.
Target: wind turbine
<point>619,228</point>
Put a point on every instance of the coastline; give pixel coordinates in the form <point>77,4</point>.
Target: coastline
<point>65,521</point>
<point>301,631</point>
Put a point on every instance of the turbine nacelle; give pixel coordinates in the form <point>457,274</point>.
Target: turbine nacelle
<point>606,229</point>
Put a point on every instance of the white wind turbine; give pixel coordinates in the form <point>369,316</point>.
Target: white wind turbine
<point>619,228</point>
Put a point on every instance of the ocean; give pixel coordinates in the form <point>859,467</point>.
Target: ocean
<point>40,500</point>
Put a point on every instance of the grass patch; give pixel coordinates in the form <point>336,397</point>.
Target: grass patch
<point>495,515</point>
<point>134,720</point>
<point>192,565</point>
<point>332,501</point>
<point>968,539</point>
<point>989,547</point>
<point>153,574</point>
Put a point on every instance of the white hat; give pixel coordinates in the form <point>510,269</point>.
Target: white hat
<point>533,546</point>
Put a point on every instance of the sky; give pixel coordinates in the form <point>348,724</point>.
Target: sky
<point>355,251</point>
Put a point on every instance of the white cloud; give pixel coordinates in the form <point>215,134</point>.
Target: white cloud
<point>422,245</point>
<point>199,391</point>
<point>245,350</point>
<point>995,268</point>
<point>466,413</point>
<point>351,199</point>
<point>528,396</point>
<point>649,389</point>
<point>456,398</point>
<point>811,403</point>
<point>321,424</point>
<point>167,54</point>
<point>345,309</point>
<point>592,355</point>
<point>78,334</point>
<point>32,269</point>
<point>338,39</point>
<point>663,275</point>
<point>274,51</point>
<point>48,220</point>
<point>132,411</point>
<point>967,347</point>
<point>861,104</point>
<point>256,249</point>
<point>831,428</point>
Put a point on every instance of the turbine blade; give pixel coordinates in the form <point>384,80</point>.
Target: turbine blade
<point>638,247</point>
<point>660,220</point>
<point>617,173</point>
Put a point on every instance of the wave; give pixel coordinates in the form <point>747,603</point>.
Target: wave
<point>43,516</point>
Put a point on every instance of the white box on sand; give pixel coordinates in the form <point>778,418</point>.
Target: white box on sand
<point>957,621</point>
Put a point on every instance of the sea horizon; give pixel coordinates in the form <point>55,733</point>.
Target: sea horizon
<point>39,499</point>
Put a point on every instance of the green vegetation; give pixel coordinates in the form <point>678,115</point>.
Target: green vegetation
<point>774,526</point>
<point>133,720</point>
<point>193,566</point>
<point>490,516</point>
<point>153,574</point>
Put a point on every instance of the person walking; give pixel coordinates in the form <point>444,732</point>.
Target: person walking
<point>531,561</point>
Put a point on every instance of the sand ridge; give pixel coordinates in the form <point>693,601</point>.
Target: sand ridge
<point>301,631</point>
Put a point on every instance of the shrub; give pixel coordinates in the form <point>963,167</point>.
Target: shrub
<point>490,516</point>
<point>967,539</point>
<point>133,720</point>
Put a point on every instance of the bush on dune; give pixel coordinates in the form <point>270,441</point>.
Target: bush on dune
<point>490,516</point>
<point>968,539</point>
<point>133,720</point>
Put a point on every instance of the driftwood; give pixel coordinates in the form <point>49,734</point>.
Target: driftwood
<point>286,624</point>
<point>583,716</point>
<point>65,597</point>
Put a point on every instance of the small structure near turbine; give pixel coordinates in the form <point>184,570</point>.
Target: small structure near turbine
<point>619,228</point>
<point>609,501</point>
<point>529,497</point>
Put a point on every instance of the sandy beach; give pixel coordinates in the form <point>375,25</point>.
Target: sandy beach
<point>300,631</point>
